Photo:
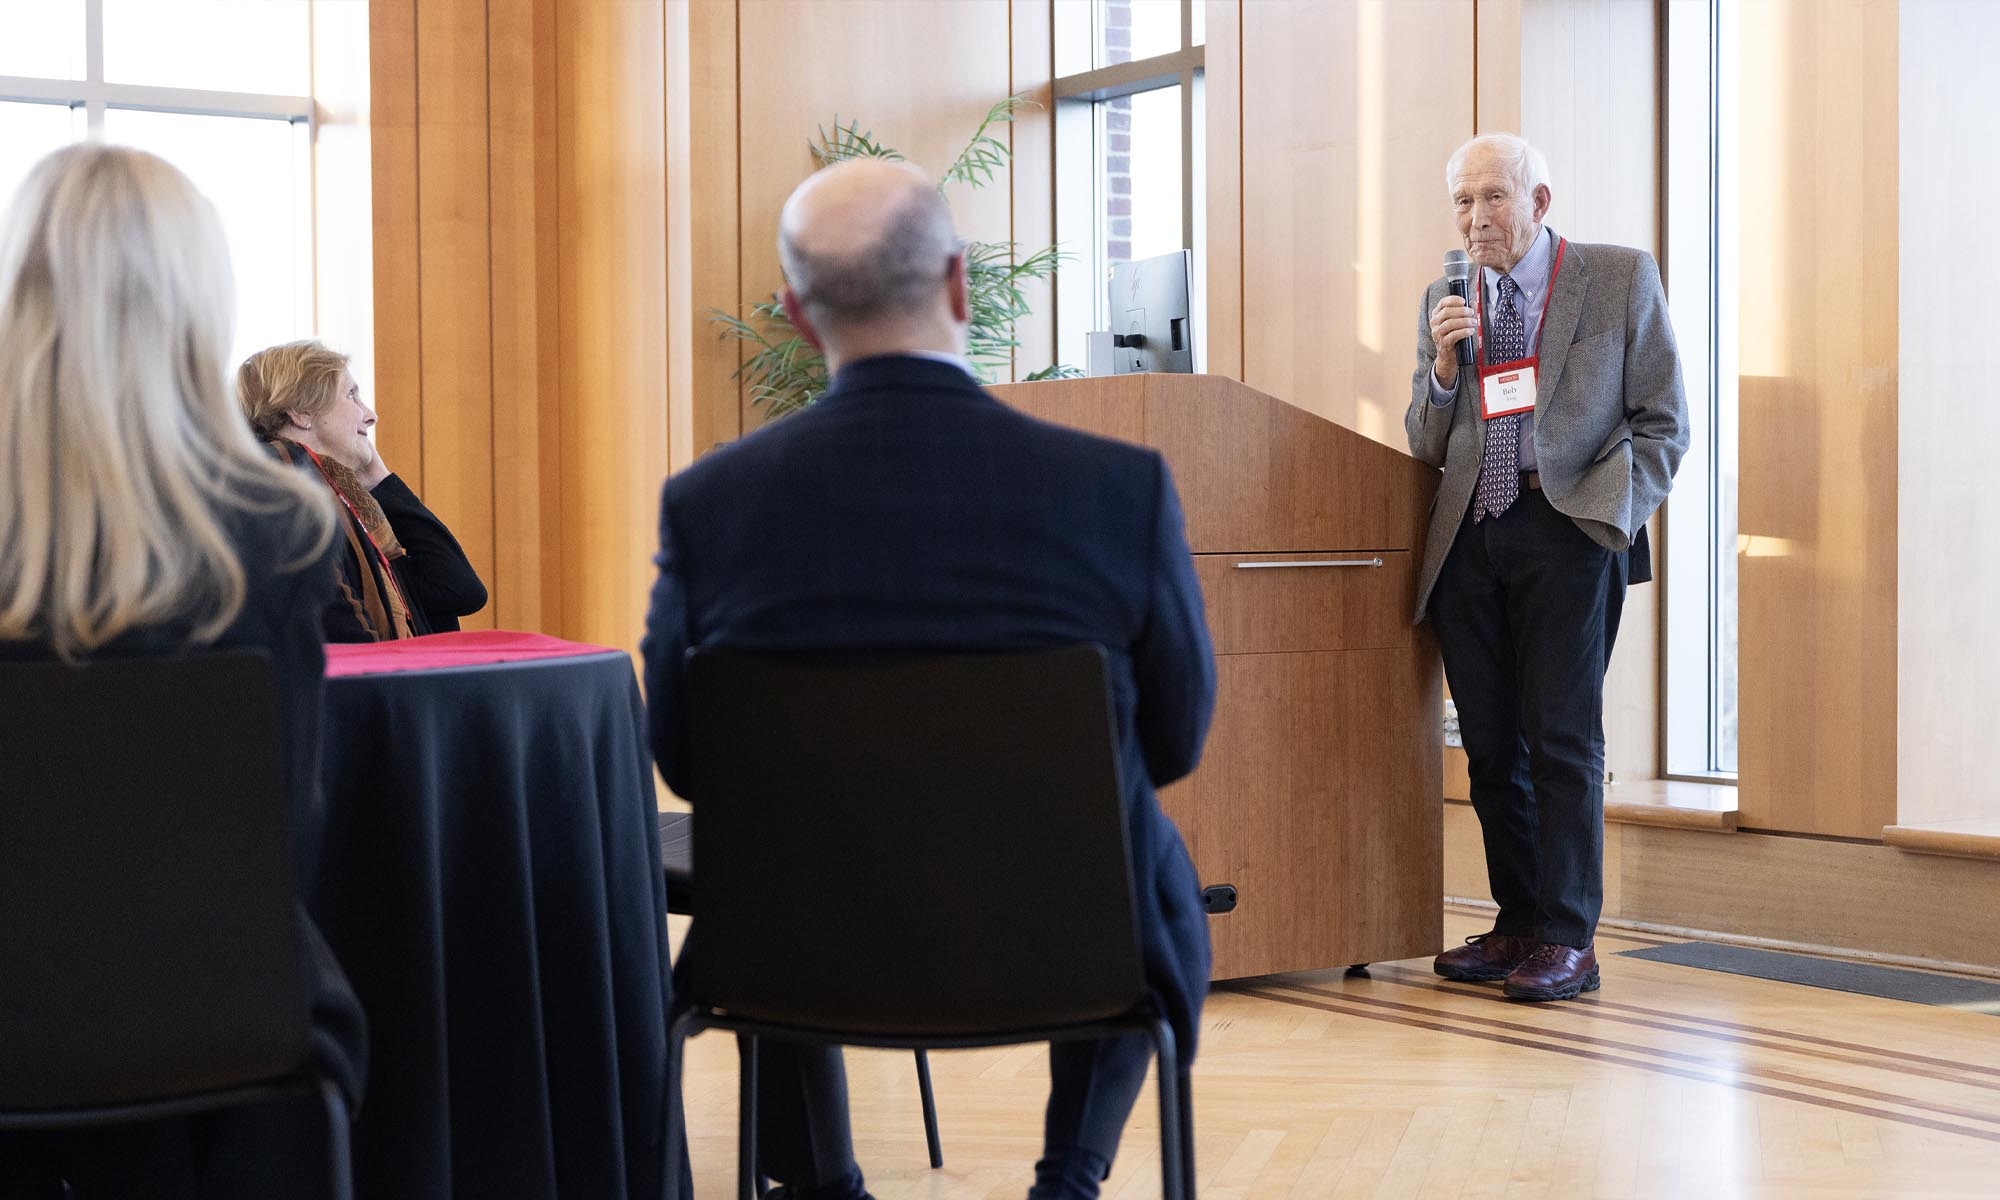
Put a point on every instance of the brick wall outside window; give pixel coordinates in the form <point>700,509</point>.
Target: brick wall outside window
<point>1116,195</point>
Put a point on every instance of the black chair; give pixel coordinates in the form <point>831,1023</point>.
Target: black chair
<point>149,927</point>
<point>936,856</point>
<point>677,860</point>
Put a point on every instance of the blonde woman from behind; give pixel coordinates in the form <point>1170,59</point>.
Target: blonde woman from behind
<point>138,516</point>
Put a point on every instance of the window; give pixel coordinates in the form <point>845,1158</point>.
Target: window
<point>219,88</point>
<point>1129,151</point>
<point>1701,538</point>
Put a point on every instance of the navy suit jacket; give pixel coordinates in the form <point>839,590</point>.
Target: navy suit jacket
<point>910,509</point>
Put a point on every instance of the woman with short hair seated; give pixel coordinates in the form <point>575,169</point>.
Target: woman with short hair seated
<point>138,517</point>
<point>403,573</point>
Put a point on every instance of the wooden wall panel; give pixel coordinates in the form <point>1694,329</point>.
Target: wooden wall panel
<point>521,167</point>
<point>453,257</point>
<point>612,298</point>
<point>1818,493</point>
<point>548,243</point>
<point>710,396</point>
<point>1345,216</point>
<point>1948,658</point>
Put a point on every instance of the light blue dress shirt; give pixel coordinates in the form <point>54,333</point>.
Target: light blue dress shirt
<point>1531,281</point>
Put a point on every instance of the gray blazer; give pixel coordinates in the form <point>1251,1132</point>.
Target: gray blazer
<point>1611,417</point>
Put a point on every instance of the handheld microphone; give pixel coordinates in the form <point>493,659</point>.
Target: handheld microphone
<point>1458,277</point>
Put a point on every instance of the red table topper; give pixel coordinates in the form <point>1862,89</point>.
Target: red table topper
<point>471,648</point>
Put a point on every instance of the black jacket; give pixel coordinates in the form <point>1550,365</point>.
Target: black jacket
<point>435,574</point>
<point>281,615</point>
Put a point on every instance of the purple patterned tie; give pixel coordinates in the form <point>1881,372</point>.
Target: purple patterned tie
<point>1500,470</point>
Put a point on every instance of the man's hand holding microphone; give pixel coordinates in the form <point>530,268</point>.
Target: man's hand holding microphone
<point>1453,324</point>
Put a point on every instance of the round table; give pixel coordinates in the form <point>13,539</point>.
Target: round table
<point>491,885</point>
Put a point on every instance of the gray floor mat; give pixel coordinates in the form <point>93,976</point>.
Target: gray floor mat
<point>1890,983</point>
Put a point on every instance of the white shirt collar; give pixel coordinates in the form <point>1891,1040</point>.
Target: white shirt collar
<point>956,360</point>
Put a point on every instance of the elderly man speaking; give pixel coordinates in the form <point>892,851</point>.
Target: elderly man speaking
<point>1558,438</point>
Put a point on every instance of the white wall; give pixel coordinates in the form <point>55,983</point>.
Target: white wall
<point>1948,414</point>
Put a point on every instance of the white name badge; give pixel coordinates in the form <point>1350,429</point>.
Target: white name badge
<point>1507,389</point>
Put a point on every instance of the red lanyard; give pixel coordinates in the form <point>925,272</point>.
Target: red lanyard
<point>1534,346</point>
<point>388,572</point>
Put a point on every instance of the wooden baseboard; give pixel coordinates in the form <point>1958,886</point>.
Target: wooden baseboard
<point>1959,839</point>
<point>1663,934</point>
<point>1667,803</point>
<point>1853,898</point>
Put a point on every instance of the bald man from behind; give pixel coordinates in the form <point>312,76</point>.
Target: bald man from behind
<point>909,509</point>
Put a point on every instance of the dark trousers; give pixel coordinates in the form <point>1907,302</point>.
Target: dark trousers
<point>1092,1087</point>
<point>802,1131</point>
<point>1526,610</point>
<point>802,1122</point>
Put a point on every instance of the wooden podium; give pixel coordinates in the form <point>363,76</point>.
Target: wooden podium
<point>1318,793</point>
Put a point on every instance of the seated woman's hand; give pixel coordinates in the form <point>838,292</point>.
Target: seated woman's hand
<point>375,471</point>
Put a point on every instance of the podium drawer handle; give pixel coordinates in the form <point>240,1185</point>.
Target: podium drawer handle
<point>1316,562</point>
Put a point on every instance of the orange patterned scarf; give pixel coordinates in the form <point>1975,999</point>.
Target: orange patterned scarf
<point>380,606</point>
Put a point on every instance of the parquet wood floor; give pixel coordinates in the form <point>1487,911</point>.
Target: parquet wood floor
<point>1669,1082</point>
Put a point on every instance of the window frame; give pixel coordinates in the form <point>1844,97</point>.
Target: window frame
<point>94,96</point>
<point>1080,284</point>
<point>1696,686</point>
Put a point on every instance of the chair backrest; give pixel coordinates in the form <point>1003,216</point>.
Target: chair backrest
<point>149,941</point>
<point>917,845</point>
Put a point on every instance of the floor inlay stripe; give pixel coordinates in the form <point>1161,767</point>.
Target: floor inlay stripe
<point>1728,1078</point>
<point>1731,1067</point>
<point>1762,1037</point>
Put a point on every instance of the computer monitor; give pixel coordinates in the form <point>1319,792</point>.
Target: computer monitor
<point>1150,315</point>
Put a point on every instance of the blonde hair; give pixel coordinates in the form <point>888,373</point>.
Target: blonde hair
<point>297,377</point>
<point>121,453</point>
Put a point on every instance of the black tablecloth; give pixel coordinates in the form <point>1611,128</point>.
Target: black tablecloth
<point>492,888</point>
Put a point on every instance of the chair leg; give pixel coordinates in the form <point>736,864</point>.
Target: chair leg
<point>746,1134</point>
<point>1187,1135</point>
<point>930,1110</point>
<point>339,1155</point>
<point>670,1156</point>
<point>1174,1185</point>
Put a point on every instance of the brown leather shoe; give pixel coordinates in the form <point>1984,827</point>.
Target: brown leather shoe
<point>1483,958</point>
<point>1553,972</point>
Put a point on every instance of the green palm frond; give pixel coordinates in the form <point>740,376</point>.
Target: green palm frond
<point>785,373</point>
<point>985,154</point>
<point>848,141</point>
